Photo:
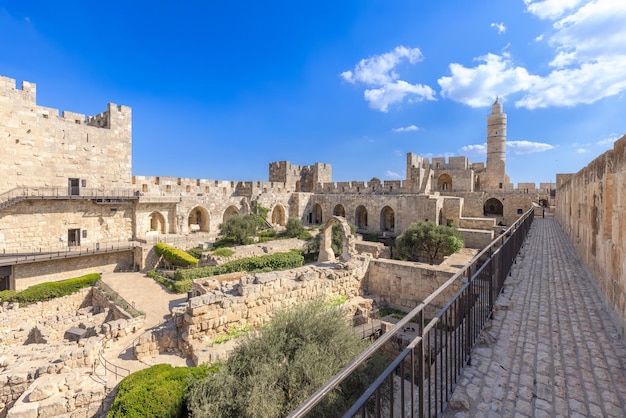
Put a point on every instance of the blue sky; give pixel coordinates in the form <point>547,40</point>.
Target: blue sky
<point>219,89</point>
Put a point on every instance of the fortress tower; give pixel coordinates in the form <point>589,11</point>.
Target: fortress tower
<point>496,148</point>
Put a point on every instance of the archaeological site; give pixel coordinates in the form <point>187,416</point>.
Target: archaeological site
<point>71,206</point>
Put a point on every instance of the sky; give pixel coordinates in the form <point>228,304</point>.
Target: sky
<point>219,89</point>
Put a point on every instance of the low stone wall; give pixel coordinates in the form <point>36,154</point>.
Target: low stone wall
<point>255,298</point>
<point>376,249</point>
<point>475,238</point>
<point>403,285</point>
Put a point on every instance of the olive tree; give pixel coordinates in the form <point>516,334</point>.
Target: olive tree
<point>429,240</point>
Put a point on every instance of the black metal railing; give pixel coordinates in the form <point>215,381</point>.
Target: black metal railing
<point>21,193</point>
<point>420,380</point>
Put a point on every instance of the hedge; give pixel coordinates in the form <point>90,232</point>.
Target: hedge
<point>158,391</point>
<point>49,290</point>
<point>178,286</point>
<point>174,255</point>
<point>270,262</point>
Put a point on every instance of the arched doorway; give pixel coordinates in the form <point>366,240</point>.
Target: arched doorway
<point>315,217</point>
<point>444,182</point>
<point>157,222</point>
<point>387,219</point>
<point>278,216</point>
<point>198,220</point>
<point>493,207</point>
<point>230,212</point>
<point>360,217</point>
<point>339,210</point>
<point>442,219</point>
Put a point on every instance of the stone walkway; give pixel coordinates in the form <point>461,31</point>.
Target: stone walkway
<point>551,349</point>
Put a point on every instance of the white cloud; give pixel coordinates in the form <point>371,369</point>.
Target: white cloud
<point>478,86</point>
<point>608,141</point>
<point>392,174</point>
<point>474,149</point>
<point>550,9</point>
<point>589,43</point>
<point>581,151</point>
<point>409,128</point>
<point>385,87</point>
<point>528,147</point>
<point>499,27</point>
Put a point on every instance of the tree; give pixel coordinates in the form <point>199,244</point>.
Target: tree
<point>375,179</point>
<point>295,229</point>
<point>269,374</point>
<point>240,227</point>
<point>427,239</point>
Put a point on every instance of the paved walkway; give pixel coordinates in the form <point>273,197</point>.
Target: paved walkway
<point>551,349</point>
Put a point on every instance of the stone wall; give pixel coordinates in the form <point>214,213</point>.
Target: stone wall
<point>255,298</point>
<point>42,149</point>
<point>403,285</point>
<point>591,207</point>
<point>54,270</point>
<point>42,225</point>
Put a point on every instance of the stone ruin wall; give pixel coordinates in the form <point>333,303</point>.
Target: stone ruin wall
<point>591,207</point>
<point>251,301</point>
<point>41,372</point>
<point>403,285</point>
<point>42,149</point>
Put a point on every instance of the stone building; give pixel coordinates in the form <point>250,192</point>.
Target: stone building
<point>69,203</point>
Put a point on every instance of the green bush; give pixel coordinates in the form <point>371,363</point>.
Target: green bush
<point>182,286</point>
<point>178,286</point>
<point>50,290</point>
<point>270,262</point>
<point>174,256</point>
<point>195,252</point>
<point>295,229</point>
<point>158,391</point>
<point>268,233</point>
<point>223,252</point>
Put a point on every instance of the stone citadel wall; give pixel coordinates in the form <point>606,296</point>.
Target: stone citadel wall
<point>42,149</point>
<point>591,207</point>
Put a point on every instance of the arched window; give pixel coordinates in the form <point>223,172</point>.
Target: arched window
<point>493,207</point>
<point>339,210</point>
<point>157,222</point>
<point>444,182</point>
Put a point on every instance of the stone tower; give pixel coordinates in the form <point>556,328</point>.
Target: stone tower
<point>496,148</point>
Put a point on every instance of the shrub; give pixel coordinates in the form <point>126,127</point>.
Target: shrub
<point>174,256</point>
<point>179,286</point>
<point>269,262</point>
<point>239,228</point>
<point>427,239</point>
<point>195,252</point>
<point>158,391</point>
<point>223,252</point>
<point>272,371</point>
<point>50,290</point>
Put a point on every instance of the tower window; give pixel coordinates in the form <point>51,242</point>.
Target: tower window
<point>500,185</point>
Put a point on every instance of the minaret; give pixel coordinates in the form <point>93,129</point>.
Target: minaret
<point>496,144</point>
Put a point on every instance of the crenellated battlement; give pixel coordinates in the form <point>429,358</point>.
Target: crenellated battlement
<point>187,187</point>
<point>361,187</point>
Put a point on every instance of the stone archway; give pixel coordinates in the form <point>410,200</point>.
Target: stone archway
<point>230,212</point>
<point>278,216</point>
<point>156,222</point>
<point>339,210</point>
<point>198,220</point>
<point>444,182</point>
<point>360,217</point>
<point>316,214</point>
<point>326,238</point>
<point>387,219</point>
<point>493,206</point>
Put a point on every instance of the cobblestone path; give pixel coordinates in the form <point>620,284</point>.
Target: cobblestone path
<point>551,349</point>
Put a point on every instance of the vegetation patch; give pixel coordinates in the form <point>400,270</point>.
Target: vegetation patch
<point>175,256</point>
<point>158,391</point>
<point>232,334</point>
<point>175,286</point>
<point>223,252</point>
<point>49,290</point>
<point>428,240</point>
<point>269,262</point>
<point>274,370</point>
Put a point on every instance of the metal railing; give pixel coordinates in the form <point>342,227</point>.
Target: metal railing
<point>420,380</point>
<point>118,371</point>
<point>32,254</point>
<point>21,193</point>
